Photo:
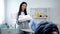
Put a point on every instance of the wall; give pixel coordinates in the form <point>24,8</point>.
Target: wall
<point>12,7</point>
<point>2,13</point>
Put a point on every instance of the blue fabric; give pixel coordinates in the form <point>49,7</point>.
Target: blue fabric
<point>33,25</point>
<point>45,27</point>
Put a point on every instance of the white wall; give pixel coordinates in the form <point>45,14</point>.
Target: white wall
<point>12,6</point>
<point>2,16</point>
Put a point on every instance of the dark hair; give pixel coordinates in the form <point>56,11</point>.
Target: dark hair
<point>46,28</point>
<point>25,12</point>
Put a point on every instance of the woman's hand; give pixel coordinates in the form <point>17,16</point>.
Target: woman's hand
<point>28,20</point>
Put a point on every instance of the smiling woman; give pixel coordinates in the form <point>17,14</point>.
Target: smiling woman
<point>1,11</point>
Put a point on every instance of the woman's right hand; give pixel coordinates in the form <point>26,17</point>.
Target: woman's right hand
<point>28,20</point>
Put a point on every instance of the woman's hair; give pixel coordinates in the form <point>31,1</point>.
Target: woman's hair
<point>20,9</point>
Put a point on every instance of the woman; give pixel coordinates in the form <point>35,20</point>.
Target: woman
<point>22,12</point>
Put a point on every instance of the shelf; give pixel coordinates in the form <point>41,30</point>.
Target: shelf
<point>40,17</point>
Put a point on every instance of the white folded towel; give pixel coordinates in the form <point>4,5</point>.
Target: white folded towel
<point>24,18</point>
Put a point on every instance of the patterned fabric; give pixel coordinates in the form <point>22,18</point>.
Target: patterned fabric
<point>46,28</point>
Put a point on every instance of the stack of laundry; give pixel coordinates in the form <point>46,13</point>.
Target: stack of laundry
<point>24,18</point>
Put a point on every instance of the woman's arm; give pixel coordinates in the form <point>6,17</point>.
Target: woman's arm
<point>17,21</point>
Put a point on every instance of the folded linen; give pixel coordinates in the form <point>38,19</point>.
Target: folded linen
<point>24,18</point>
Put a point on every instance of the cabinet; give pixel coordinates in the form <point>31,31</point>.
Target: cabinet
<point>39,14</point>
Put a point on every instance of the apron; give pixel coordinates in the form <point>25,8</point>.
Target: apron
<point>23,25</point>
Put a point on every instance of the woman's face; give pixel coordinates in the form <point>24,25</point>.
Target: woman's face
<point>54,33</point>
<point>23,7</point>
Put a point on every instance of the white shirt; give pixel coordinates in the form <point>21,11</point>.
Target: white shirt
<point>22,13</point>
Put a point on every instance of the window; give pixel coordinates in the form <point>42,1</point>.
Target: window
<point>1,11</point>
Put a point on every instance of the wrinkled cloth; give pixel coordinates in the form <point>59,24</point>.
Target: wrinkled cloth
<point>24,18</point>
